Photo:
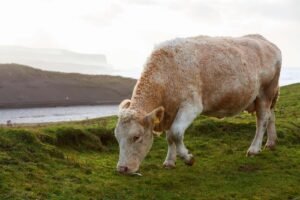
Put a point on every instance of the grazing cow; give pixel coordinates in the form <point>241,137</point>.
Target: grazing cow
<point>185,77</point>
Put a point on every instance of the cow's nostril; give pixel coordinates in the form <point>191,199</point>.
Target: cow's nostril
<point>123,169</point>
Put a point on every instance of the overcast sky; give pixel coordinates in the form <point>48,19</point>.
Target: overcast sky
<point>126,30</point>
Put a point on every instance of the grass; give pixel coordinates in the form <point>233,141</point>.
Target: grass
<point>77,161</point>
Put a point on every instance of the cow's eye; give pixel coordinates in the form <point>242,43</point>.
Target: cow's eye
<point>136,138</point>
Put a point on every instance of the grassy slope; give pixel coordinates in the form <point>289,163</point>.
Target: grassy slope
<point>77,161</point>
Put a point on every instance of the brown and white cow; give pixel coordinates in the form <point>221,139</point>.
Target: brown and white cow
<point>185,77</point>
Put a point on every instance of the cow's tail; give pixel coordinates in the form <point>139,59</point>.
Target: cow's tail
<point>275,98</point>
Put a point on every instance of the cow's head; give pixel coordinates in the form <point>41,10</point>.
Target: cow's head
<point>134,132</point>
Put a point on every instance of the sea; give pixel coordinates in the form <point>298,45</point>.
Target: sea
<point>55,114</point>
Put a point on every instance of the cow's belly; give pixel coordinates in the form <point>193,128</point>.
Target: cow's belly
<point>229,102</point>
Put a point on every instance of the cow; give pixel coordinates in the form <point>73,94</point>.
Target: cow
<point>186,77</point>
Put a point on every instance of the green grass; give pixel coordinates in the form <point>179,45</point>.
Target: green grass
<point>77,161</point>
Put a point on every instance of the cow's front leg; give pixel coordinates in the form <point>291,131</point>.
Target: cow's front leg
<point>171,155</point>
<point>183,152</point>
<point>176,146</point>
<point>263,115</point>
<point>185,116</point>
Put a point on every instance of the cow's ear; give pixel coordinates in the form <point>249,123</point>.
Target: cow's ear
<point>124,104</point>
<point>155,117</point>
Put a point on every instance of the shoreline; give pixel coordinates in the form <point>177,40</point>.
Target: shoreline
<point>43,124</point>
<point>47,115</point>
<point>54,105</point>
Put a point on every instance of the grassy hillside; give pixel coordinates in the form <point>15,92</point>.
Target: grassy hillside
<point>77,161</point>
<point>22,86</point>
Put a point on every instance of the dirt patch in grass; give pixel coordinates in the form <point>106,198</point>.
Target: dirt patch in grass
<point>248,168</point>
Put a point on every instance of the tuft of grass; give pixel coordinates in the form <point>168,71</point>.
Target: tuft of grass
<point>77,139</point>
<point>17,136</point>
<point>76,160</point>
<point>105,135</point>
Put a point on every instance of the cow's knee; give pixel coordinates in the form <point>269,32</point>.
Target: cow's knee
<point>171,155</point>
<point>181,150</point>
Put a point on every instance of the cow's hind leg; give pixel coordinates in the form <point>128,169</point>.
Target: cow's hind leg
<point>185,116</point>
<point>271,129</point>
<point>263,114</point>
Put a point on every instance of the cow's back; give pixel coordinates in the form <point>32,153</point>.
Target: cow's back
<point>226,74</point>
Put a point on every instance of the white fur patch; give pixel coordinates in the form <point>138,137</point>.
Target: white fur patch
<point>126,114</point>
<point>185,117</point>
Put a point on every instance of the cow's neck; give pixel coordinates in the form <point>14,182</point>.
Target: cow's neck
<point>147,94</point>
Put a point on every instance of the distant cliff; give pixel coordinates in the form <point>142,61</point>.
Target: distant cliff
<point>55,59</point>
<point>23,86</point>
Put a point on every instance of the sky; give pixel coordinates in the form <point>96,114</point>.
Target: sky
<point>127,30</point>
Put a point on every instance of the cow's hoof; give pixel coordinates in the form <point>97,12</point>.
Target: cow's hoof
<point>190,160</point>
<point>252,151</point>
<point>270,145</point>
<point>169,164</point>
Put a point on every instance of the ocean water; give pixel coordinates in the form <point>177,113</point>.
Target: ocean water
<point>56,114</point>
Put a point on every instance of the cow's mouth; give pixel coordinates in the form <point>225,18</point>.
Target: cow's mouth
<point>136,174</point>
<point>128,173</point>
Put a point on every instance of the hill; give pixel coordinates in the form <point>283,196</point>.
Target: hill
<point>77,161</point>
<point>23,86</point>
